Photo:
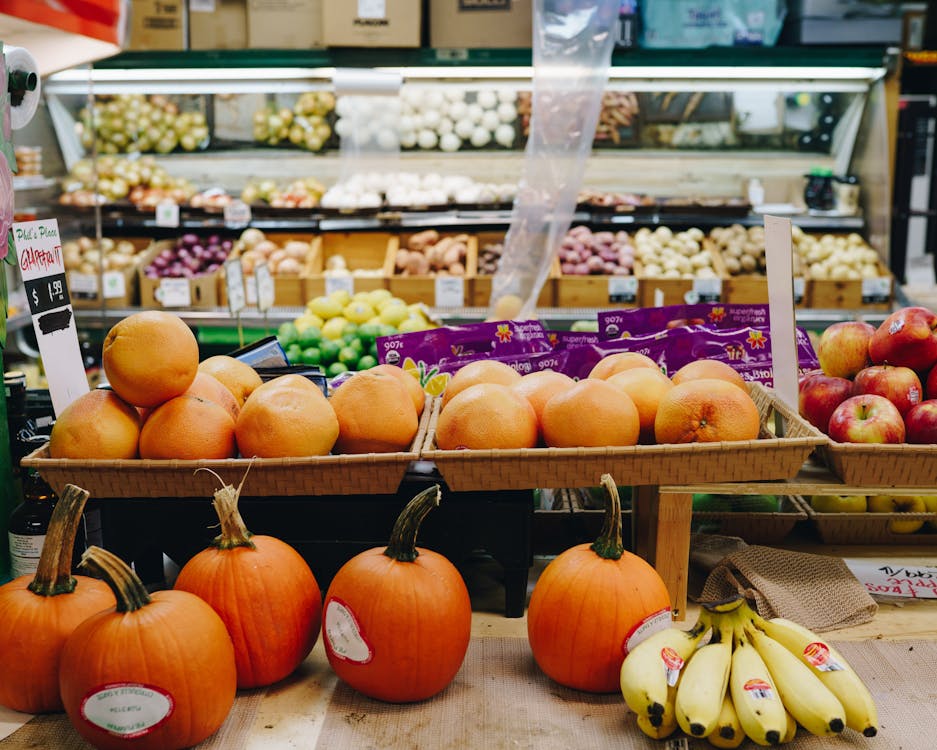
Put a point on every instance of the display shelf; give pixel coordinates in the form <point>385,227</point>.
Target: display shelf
<point>32,182</point>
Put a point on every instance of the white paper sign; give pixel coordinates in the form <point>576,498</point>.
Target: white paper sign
<point>450,291</point>
<point>708,290</point>
<point>234,284</point>
<point>779,255</point>
<point>115,284</point>
<point>800,286</point>
<point>622,288</point>
<point>892,579</point>
<point>174,293</point>
<point>82,284</point>
<point>265,291</point>
<point>876,290</point>
<point>167,214</point>
<point>339,283</point>
<point>372,9</point>
<point>39,253</point>
<point>237,213</point>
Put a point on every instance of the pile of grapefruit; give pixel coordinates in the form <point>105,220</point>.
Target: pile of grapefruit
<point>164,404</point>
<point>626,400</point>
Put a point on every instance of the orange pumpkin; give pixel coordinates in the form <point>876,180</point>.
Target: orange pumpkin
<point>245,578</point>
<point>156,672</point>
<point>397,621</point>
<point>38,613</point>
<point>589,602</point>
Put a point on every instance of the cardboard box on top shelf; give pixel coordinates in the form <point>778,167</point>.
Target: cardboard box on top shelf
<point>217,24</point>
<point>158,24</point>
<point>372,23</point>
<point>284,24</point>
<point>480,23</point>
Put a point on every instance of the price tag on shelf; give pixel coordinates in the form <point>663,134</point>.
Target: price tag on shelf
<point>339,283</point>
<point>876,291</point>
<point>800,286</point>
<point>82,285</point>
<point>167,214</point>
<point>234,285</point>
<point>201,6</point>
<point>708,290</point>
<point>659,297</point>
<point>115,284</point>
<point>373,9</point>
<point>622,289</point>
<point>174,293</point>
<point>450,291</point>
<point>39,254</point>
<point>237,213</point>
<point>266,290</point>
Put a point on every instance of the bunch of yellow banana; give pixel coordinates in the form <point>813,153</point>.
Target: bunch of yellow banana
<point>753,678</point>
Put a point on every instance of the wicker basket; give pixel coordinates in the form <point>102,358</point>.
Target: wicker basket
<point>754,528</point>
<point>768,457</point>
<point>869,528</point>
<point>886,465</point>
<point>352,474</point>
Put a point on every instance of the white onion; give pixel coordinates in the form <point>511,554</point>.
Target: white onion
<point>431,118</point>
<point>463,128</point>
<point>504,135</point>
<point>426,139</point>
<point>487,99</point>
<point>490,120</point>
<point>507,112</point>
<point>387,139</point>
<point>507,96</point>
<point>449,142</point>
<point>455,95</point>
<point>433,99</point>
<point>445,125</point>
<point>408,139</point>
<point>480,137</point>
<point>475,112</point>
<point>458,110</point>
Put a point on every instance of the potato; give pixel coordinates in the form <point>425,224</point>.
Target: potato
<point>421,240</point>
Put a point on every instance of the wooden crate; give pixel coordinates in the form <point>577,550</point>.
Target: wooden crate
<point>288,290</point>
<point>84,289</point>
<point>363,251</point>
<point>203,290</point>
<point>825,294</point>
<point>481,286</point>
<point>675,290</point>
<point>423,288</point>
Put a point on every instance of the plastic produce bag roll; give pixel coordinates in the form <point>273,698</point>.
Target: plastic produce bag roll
<point>571,55</point>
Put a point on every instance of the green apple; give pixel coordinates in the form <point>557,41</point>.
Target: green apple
<point>899,504</point>
<point>930,501</point>
<point>838,503</point>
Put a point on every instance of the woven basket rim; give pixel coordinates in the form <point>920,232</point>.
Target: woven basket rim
<point>797,514</point>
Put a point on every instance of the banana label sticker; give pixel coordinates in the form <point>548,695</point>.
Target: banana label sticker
<point>818,654</point>
<point>673,663</point>
<point>759,689</point>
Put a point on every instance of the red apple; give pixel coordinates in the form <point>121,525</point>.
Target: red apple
<point>921,422</point>
<point>819,395</point>
<point>930,383</point>
<point>900,385</point>
<point>844,348</point>
<point>867,419</point>
<point>906,338</point>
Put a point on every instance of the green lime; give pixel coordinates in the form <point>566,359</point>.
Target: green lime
<point>329,351</point>
<point>367,362</point>
<point>349,356</point>
<point>312,356</point>
<point>372,350</point>
<point>287,334</point>
<point>386,330</point>
<point>368,332</point>
<point>294,353</point>
<point>350,329</point>
<point>310,337</point>
<point>356,344</point>
<point>336,368</point>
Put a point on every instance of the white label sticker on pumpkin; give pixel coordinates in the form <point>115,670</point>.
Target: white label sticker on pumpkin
<point>343,634</point>
<point>127,709</point>
<point>646,628</point>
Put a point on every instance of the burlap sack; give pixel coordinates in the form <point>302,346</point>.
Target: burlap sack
<point>818,592</point>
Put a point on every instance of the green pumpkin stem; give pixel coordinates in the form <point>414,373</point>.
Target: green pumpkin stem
<point>234,532</point>
<point>402,546</point>
<point>128,589</point>
<point>54,573</point>
<point>608,546</point>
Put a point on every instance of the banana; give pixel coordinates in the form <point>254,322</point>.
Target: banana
<point>791,732</point>
<point>804,696</point>
<point>754,695</point>
<point>703,686</point>
<point>662,732</point>
<point>728,732</point>
<point>832,669</point>
<point>652,668</point>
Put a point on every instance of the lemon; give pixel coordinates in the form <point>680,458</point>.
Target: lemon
<point>362,297</point>
<point>325,307</point>
<point>388,302</point>
<point>334,328</point>
<point>358,312</point>
<point>307,320</point>
<point>376,296</point>
<point>409,325</point>
<point>394,315</point>
<point>341,296</point>
<point>376,320</point>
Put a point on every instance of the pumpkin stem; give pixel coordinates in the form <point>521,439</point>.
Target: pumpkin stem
<point>54,573</point>
<point>608,546</point>
<point>128,589</point>
<point>234,532</point>
<point>402,546</point>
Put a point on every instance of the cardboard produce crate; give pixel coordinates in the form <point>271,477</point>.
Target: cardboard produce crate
<point>158,24</point>
<point>467,24</point>
<point>203,291</point>
<point>675,290</point>
<point>218,24</point>
<point>866,294</point>
<point>597,291</point>
<point>284,24</point>
<point>121,288</point>
<point>289,290</point>
<point>430,288</point>
<point>391,23</point>
<point>481,287</point>
<point>363,251</point>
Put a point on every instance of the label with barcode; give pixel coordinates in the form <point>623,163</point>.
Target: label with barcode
<point>237,213</point>
<point>759,689</point>
<point>449,291</point>
<point>174,293</point>
<point>167,214</point>
<point>877,290</point>
<point>234,285</point>
<point>339,283</point>
<point>82,285</point>
<point>622,288</point>
<point>708,290</point>
<point>266,290</point>
<point>800,286</point>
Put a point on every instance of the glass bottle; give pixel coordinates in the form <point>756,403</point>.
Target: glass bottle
<point>29,523</point>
